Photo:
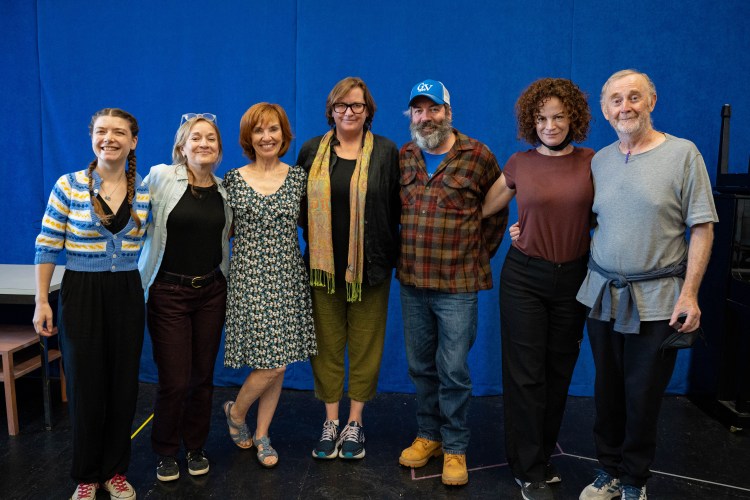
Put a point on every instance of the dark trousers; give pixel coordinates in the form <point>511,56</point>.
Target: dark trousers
<point>185,325</point>
<point>102,319</point>
<point>631,376</point>
<point>542,328</point>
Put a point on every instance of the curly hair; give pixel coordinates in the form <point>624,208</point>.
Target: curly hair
<point>573,99</point>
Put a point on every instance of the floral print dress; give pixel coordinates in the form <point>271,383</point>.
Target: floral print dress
<point>269,311</point>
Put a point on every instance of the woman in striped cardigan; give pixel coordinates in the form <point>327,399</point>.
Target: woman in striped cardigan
<point>98,215</point>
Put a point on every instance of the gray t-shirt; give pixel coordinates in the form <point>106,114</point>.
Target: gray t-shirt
<point>643,208</point>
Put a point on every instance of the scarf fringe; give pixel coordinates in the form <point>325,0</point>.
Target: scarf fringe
<point>353,292</point>
<point>319,277</point>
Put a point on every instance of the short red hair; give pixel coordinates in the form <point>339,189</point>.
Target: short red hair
<point>259,114</point>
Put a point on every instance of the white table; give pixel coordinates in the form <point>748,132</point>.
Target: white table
<point>18,285</point>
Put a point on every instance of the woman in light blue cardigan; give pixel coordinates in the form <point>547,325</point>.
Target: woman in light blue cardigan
<point>183,267</point>
<point>98,216</point>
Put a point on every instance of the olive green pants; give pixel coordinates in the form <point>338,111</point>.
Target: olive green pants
<point>358,325</point>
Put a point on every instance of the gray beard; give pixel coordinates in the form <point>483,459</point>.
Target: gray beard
<point>436,138</point>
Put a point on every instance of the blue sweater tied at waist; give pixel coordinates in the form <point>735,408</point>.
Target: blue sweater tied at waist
<point>627,318</point>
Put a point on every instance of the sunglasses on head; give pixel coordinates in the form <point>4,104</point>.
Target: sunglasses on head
<point>206,116</point>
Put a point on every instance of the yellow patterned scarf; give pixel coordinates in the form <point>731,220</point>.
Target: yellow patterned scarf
<point>319,219</point>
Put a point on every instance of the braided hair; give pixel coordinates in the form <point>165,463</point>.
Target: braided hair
<point>129,175</point>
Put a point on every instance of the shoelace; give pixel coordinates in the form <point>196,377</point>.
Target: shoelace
<point>632,492</point>
<point>85,489</point>
<point>422,442</point>
<point>349,434</point>
<point>119,482</point>
<point>329,431</point>
<point>604,479</point>
<point>196,455</point>
<point>451,458</point>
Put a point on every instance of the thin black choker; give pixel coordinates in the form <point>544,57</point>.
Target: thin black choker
<point>561,146</point>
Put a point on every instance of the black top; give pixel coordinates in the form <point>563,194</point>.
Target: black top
<point>341,178</point>
<point>194,229</point>
<point>382,205</point>
<point>120,219</point>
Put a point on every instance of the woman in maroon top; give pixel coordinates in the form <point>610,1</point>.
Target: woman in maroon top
<point>541,321</point>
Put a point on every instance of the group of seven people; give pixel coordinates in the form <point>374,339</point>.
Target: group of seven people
<point>601,240</point>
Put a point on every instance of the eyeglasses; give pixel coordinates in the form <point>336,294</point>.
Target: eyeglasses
<point>356,107</point>
<point>206,116</point>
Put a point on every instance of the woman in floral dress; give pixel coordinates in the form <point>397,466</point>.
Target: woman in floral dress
<point>269,313</point>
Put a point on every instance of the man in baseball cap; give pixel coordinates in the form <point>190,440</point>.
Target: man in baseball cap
<point>445,259</point>
<point>432,89</point>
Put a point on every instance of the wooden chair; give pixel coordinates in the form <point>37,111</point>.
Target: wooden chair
<point>20,351</point>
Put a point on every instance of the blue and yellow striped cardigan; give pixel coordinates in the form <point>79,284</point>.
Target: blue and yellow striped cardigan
<point>70,222</point>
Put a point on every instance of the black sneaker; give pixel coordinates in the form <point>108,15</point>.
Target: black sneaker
<point>536,491</point>
<point>352,441</point>
<point>167,469</point>
<point>551,474</point>
<point>327,446</point>
<point>197,462</point>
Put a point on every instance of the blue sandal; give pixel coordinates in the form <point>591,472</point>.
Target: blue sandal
<point>266,452</point>
<point>243,433</point>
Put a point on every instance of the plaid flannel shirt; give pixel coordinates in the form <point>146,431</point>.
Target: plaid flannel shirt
<point>445,243</point>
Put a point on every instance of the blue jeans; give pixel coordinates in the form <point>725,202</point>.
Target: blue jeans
<point>439,330</point>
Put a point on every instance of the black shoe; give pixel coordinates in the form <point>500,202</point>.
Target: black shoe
<point>551,474</point>
<point>167,469</point>
<point>197,462</point>
<point>352,441</point>
<point>327,447</point>
<point>536,491</point>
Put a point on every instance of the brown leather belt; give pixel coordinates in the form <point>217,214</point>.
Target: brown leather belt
<point>192,281</point>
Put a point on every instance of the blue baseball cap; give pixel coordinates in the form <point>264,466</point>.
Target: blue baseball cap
<point>432,89</point>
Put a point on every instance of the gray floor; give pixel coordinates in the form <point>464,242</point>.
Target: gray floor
<point>697,458</point>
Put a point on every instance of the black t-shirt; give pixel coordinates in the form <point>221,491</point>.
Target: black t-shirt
<point>341,178</point>
<point>194,231</point>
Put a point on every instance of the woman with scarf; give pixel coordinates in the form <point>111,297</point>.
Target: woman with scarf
<point>350,221</point>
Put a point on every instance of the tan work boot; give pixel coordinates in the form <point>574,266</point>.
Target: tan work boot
<point>454,470</point>
<point>420,451</point>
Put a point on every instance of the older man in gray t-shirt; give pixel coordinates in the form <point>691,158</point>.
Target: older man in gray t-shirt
<point>650,187</point>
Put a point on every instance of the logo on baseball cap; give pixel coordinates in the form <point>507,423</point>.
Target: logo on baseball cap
<point>432,89</point>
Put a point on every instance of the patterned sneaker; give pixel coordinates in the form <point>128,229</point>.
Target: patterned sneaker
<point>167,469</point>
<point>327,446</point>
<point>604,487</point>
<point>119,488</point>
<point>85,491</point>
<point>352,441</point>
<point>197,463</point>
<point>551,474</point>
<point>633,492</point>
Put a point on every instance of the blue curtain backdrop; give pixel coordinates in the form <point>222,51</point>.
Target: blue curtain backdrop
<point>64,60</point>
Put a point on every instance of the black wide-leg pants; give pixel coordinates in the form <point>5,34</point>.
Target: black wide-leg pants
<point>102,320</point>
<point>542,328</point>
